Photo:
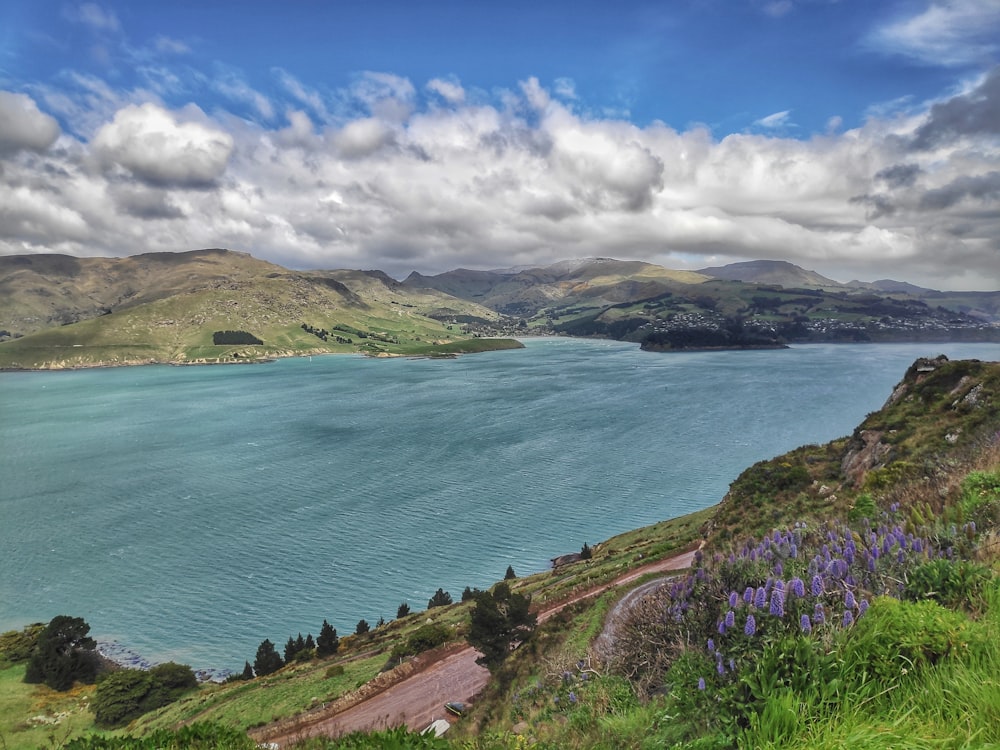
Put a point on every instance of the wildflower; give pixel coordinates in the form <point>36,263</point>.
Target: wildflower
<point>819,617</point>
<point>719,667</point>
<point>733,599</point>
<point>778,603</point>
<point>793,551</point>
<point>779,569</point>
<point>760,598</point>
<point>711,645</point>
<point>817,585</point>
<point>848,618</point>
<point>849,601</point>
<point>798,588</point>
<point>722,627</point>
<point>730,620</point>
<point>701,683</point>
<point>751,627</point>
<point>805,624</point>
<point>572,697</point>
<point>748,595</point>
<point>862,607</point>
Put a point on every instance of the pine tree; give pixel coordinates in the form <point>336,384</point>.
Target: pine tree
<point>290,650</point>
<point>310,644</point>
<point>403,611</point>
<point>268,660</point>
<point>362,627</point>
<point>247,671</point>
<point>327,643</point>
<point>441,598</point>
<point>499,621</point>
<point>585,552</point>
<point>510,574</point>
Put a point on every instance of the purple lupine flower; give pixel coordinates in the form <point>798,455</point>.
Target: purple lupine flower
<point>900,556</point>
<point>748,595</point>
<point>817,585</point>
<point>572,697</point>
<point>886,546</point>
<point>778,603</point>
<point>711,645</point>
<point>730,620</point>
<point>793,551</point>
<point>701,683</point>
<point>862,607</point>
<point>732,665</point>
<point>805,624</point>
<point>760,599</point>
<point>722,626</point>
<point>718,665</point>
<point>849,601</point>
<point>848,618</point>
<point>819,616</point>
<point>733,599</point>
<point>768,585</point>
<point>798,587</point>
<point>779,569</point>
<point>871,564</point>
<point>751,627</point>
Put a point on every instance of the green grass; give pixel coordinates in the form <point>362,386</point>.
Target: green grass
<point>33,716</point>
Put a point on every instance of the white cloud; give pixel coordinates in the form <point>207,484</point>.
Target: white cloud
<point>157,148</point>
<point>166,45</point>
<point>451,91</point>
<point>23,126</point>
<point>94,16</point>
<point>523,180</point>
<point>956,32</point>
<point>777,120</point>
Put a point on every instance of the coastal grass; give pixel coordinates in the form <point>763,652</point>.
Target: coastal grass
<point>34,716</point>
<point>250,704</point>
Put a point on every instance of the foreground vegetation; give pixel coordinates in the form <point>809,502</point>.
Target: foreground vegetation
<point>848,595</point>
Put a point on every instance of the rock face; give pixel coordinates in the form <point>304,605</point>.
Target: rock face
<point>871,454</point>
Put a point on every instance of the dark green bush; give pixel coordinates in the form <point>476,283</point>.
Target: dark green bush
<point>957,584</point>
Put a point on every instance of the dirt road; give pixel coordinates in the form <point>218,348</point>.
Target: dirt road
<point>419,699</point>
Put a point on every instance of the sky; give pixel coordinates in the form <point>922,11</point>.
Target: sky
<point>856,138</point>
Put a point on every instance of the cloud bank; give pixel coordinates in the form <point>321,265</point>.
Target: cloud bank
<point>432,175</point>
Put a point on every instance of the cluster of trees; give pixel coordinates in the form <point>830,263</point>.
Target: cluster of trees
<point>124,694</point>
<point>62,654</point>
<point>268,660</point>
<point>238,338</point>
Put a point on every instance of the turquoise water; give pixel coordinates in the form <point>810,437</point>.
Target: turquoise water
<point>191,512</point>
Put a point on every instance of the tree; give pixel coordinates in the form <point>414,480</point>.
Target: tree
<point>510,574</point>
<point>327,643</point>
<point>586,552</point>
<point>290,650</point>
<point>500,621</point>
<point>127,693</point>
<point>362,627</point>
<point>403,611</point>
<point>441,598</point>
<point>247,671</point>
<point>268,660</point>
<point>63,654</point>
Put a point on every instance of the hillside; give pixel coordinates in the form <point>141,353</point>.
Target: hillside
<point>757,304</point>
<point>58,312</point>
<point>846,595</point>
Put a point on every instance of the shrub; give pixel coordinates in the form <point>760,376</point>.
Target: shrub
<point>220,338</point>
<point>896,637</point>
<point>64,654</point>
<point>128,693</point>
<point>18,645</point>
<point>957,584</point>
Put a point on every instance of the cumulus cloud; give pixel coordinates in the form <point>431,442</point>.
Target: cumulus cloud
<point>451,91</point>
<point>157,148</point>
<point>23,126</point>
<point>521,180</point>
<point>975,113</point>
<point>956,32</point>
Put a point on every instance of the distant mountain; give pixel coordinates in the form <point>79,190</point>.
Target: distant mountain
<point>778,272</point>
<point>526,291</point>
<point>892,287</point>
<point>60,311</point>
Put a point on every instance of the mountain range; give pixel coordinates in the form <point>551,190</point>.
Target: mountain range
<point>63,311</point>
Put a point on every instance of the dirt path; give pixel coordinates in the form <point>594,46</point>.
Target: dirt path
<point>419,698</point>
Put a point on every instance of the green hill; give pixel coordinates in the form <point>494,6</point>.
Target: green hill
<point>62,312</point>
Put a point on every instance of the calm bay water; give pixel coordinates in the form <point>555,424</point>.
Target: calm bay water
<point>189,513</point>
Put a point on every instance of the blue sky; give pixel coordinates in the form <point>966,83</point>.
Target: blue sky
<point>856,138</point>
